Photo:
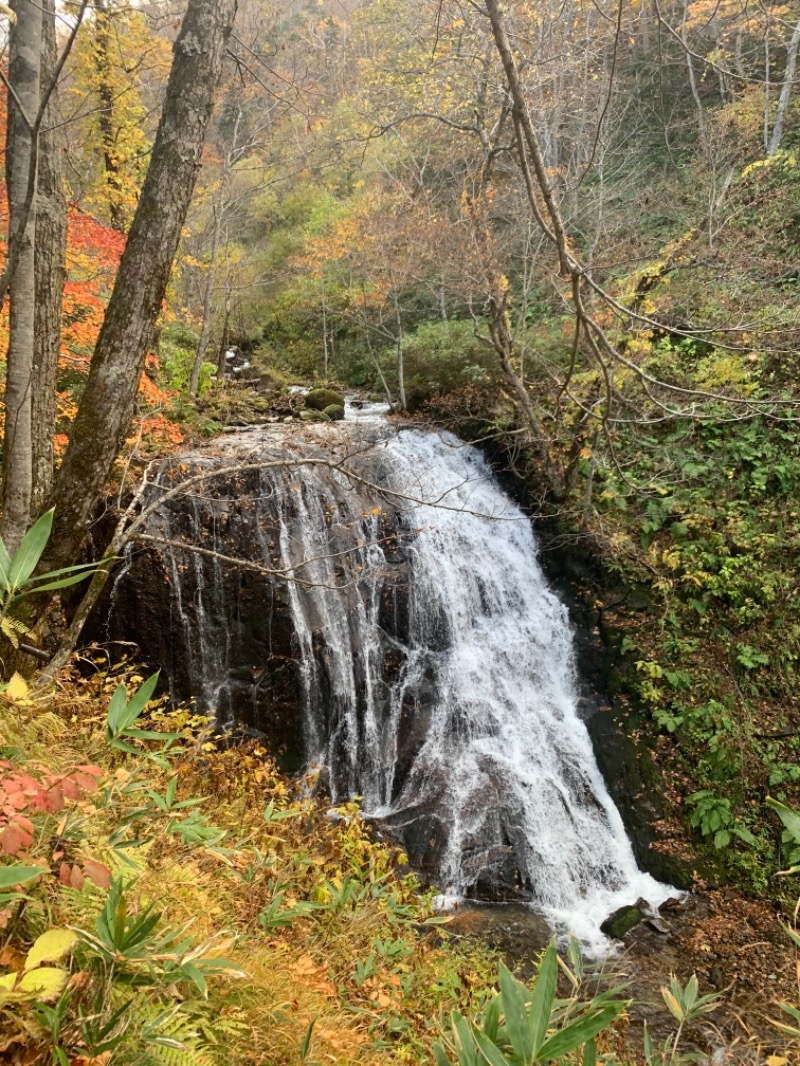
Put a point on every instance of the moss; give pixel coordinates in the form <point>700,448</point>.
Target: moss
<point>319,399</point>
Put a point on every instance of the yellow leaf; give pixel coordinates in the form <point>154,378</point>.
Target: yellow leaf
<point>50,947</point>
<point>776,1060</point>
<point>7,982</point>
<point>17,688</point>
<point>45,983</point>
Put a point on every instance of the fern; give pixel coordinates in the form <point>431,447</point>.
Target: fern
<point>169,1036</point>
<point>12,629</point>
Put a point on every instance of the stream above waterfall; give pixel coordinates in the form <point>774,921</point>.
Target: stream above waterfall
<point>404,640</point>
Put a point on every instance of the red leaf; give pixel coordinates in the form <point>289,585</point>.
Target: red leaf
<point>76,878</point>
<point>38,801</point>
<point>13,839</point>
<point>55,798</point>
<point>25,824</point>
<point>64,872</point>
<point>70,789</point>
<point>86,781</point>
<point>97,872</point>
<point>90,768</point>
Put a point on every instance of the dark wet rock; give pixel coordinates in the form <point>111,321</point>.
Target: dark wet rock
<point>517,931</point>
<point>319,399</point>
<point>621,922</point>
<point>416,398</point>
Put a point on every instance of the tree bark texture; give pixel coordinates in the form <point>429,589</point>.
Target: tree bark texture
<point>24,64</point>
<point>109,399</point>
<point>50,273</point>
<point>786,92</point>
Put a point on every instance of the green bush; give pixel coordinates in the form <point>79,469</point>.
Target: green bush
<point>440,356</point>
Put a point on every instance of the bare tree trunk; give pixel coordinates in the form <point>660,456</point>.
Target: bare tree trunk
<point>786,92</point>
<point>401,383</point>
<point>701,115</point>
<point>325,352</point>
<point>766,90</point>
<point>25,57</point>
<point>220,206</point>
<point>208,298</point>
<point>222,362</point>
<point>50,271</point>
<point>109,398</point>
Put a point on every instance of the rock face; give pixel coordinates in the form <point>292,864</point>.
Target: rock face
<point>224,635</point>
<point>308,591</point>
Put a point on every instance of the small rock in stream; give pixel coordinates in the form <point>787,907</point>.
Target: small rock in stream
<point>621,922</point>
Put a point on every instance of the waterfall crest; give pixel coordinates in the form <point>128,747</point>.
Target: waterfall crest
<point>434,666</point>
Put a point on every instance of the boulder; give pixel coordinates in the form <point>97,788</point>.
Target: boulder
<point>319,399</point>
<point>314,416</point>
<point>621,922</point>
<point>334,412</point>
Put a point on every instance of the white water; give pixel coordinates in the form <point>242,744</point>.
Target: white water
<point>505,735</point>
<point>481,684</point>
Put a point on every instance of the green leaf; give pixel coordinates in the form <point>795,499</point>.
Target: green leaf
<point>117,711</point>
<point>141,697</point>
<point>590,1054</point>
<point>5,565</point>
<point>543,994</point>
<point>491,1018</point>
<point>440,1055</point>
<point>790,818</point>
<point>18,875</point>
<point>61,583</point>
<point>513,993</point>
<point>191,971</point>
<point>493,1055</point>
<point>30,550</point>
<point>305,1047</point>
<point>579,1032</point>
<point>465,1045</point>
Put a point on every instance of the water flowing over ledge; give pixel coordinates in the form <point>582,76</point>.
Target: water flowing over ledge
<point>430,667</point>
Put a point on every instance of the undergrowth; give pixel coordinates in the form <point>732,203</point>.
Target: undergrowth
<point>216,913</point>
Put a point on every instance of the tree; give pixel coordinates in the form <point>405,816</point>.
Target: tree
<point>114,57</point>
<point>109,397</point>
<point>24,66</point>
<point>49,270</point>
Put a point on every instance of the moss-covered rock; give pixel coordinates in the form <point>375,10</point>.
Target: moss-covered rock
<point>621,922</point>
<point>319,399</point>
<point>314,416</point>
<point>335,412</point>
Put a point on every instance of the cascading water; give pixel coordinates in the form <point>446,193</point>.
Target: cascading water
<point>435,666</point>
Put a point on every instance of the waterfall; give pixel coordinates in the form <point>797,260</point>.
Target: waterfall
<point>435,668</point>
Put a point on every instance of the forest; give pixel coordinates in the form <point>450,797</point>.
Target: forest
<point>568,233</point>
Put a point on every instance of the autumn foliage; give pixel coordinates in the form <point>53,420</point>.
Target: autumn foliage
<point>93,255</point>
<point>37,790</point>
